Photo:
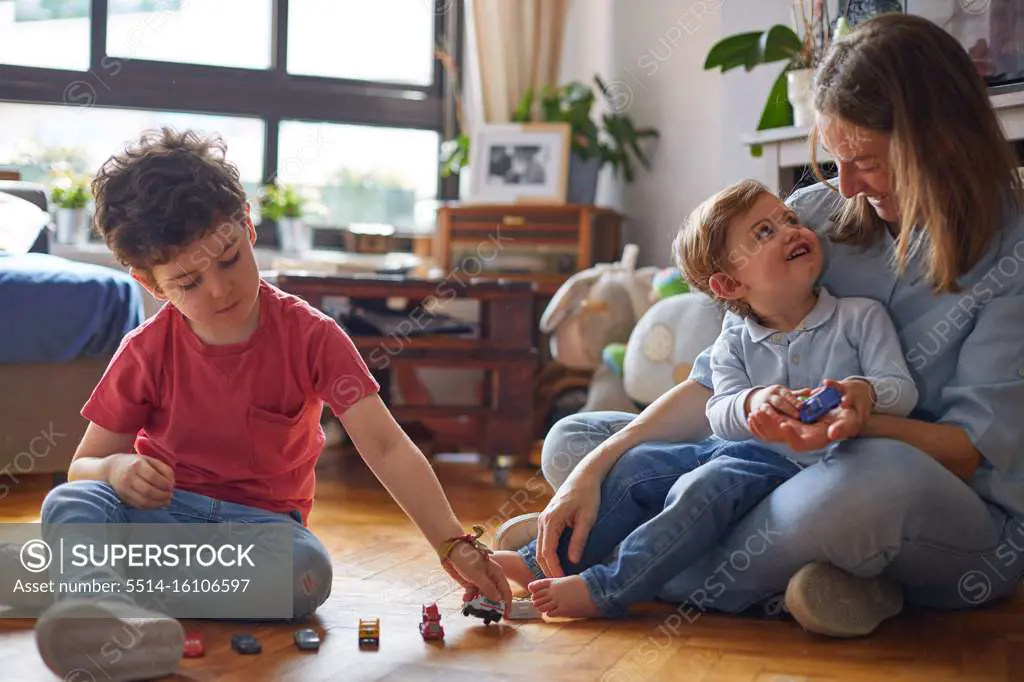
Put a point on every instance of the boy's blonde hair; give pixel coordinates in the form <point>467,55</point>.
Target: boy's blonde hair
<point>700,246</point>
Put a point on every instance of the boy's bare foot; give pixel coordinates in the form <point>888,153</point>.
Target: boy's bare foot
<point>514,566</point>
<point>566,597</point>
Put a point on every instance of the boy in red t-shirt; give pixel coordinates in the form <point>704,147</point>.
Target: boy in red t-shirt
<point>209,411</point>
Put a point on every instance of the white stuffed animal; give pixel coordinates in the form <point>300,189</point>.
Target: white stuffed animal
<point>596,307</point>
<point>666,341</point>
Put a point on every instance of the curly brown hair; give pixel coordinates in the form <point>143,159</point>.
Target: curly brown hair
<point>162,193</point>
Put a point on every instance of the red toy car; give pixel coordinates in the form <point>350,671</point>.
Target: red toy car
<point>194,645</point>
<point>430,626</point>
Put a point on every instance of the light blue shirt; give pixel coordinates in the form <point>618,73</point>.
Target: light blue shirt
<point>964,350</point>
<point>839,338</point>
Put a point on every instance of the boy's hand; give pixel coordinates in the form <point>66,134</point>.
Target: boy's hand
<point>478,573</point>
<point>142,482</point>
<point>776,397</point>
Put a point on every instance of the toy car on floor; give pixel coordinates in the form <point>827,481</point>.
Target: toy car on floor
<point>194,647</point>
<point>482,607</point>
<point>307,639</point>
<point>430,626</point>
<point>369,633</point>
<point>246,644</point>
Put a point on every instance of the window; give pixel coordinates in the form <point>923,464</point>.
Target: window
<point>390,41</point>
<point>52,34</point>
<point>362,174</point>
<point>343,99</point>
<point>216,32</point>
<point>36,137</point>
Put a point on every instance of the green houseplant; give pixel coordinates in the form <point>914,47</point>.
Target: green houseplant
<point>802,53</point>
<point>70,193</point>
<point>612,139</point>
<point>284,205</point>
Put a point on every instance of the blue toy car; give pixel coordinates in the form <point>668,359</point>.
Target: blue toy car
<point>820,404</point>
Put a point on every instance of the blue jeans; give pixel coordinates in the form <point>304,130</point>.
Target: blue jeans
<point>96,502</point>
<point>872,507</point>
<point>668,504</point>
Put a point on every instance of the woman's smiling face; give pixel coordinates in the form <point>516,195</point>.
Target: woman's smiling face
<point>862,159</point>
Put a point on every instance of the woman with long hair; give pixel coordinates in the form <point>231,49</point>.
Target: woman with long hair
<point>926,217</point>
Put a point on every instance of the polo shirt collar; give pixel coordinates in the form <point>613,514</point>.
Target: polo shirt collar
<point>821,313</point>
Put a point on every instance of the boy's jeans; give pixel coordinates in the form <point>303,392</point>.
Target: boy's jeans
<point>96,502</point>
<point>667,504</point>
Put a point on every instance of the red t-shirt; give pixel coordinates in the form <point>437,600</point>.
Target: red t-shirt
<point>240,422</point>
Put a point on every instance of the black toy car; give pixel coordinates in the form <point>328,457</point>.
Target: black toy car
<point>246,644</point>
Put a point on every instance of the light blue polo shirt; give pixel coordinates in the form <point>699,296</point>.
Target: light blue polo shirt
<point>964,350</point>
<point>839,338</point>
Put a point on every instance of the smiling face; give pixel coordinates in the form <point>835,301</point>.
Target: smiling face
<point>214,282</point>
<point>772,260</point>
<point>862,160</point>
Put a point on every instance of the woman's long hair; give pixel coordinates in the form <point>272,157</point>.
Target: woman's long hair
<point>953,171</point>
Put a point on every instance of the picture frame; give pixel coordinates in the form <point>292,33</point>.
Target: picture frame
<point>525,163</point>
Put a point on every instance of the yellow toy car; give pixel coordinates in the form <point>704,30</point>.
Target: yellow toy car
<point>369,633</point>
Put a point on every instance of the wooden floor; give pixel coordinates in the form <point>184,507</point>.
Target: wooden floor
<point>384,569</point>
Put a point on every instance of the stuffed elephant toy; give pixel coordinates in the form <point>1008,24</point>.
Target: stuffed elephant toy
<point>596,307</point>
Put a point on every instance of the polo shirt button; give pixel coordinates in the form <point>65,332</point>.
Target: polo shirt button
<point>796,359</point>
<point>776,338</point>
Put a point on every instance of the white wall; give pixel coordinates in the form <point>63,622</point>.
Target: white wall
<point>654,51</point>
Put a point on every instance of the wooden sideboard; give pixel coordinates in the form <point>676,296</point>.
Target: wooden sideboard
<point>540,244</point>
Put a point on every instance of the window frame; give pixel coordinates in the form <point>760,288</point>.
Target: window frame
<point>270,94</point>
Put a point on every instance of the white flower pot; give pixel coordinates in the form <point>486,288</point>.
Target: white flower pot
<point>293,235</point>
<point>800,83</point>
<point>72,226</point>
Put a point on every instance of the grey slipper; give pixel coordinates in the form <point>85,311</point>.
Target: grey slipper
<point>830,601</point>
<point>108,640</point>
<point>517,532</point>
<point>12,571</point>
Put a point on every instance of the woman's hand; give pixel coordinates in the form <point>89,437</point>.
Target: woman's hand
<point>478,573</point>
<point>142,482</point>
<point>574,506</point>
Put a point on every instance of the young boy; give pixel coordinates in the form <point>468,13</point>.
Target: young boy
<point>746,249</point>
<point>209,411</point>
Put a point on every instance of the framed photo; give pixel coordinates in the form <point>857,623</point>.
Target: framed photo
<point>519,163</point>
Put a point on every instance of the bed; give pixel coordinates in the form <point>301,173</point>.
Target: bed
<point>60,321</point>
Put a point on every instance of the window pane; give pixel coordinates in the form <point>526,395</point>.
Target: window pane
<point>390,41</point>
<point>52,34</point>
<point>361,174</point>
<point>215,32</point>
<point>38,136</point>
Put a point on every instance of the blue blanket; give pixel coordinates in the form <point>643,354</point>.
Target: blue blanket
<point>56,310</point>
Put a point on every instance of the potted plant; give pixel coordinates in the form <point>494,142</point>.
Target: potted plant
<point>616,141</point>
<point>284,206</point>
<point>70,194</point>
<point>789,101</point>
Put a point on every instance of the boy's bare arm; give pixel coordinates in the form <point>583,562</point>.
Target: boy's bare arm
<point>103,455</point>
<point>402,469</point>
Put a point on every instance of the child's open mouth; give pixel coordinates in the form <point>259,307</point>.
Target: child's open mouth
<point>800,250</point>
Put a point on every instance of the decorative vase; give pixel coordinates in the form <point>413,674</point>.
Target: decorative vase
<point>799,83</point>
<point>583,175</point>
<point>72,226</point>
<point>294,235</point>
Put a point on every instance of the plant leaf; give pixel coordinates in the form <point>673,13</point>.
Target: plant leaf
<point>737,50</point>
<point>778,43</point>
<point>777,110</point>
<point>522,112</point>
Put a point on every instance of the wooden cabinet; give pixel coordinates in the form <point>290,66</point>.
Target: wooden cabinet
<point>540,244</point>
